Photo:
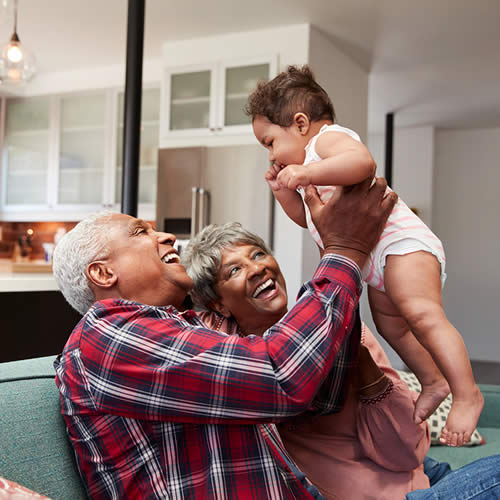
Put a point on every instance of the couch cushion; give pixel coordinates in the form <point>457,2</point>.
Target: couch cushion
<point>457,457</point>
<point>35,449</point>
<point>490,416</point>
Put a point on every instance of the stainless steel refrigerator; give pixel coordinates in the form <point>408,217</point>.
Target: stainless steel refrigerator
<point>200,186</point>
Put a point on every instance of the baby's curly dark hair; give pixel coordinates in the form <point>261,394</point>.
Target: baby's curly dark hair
<point>292,91</point>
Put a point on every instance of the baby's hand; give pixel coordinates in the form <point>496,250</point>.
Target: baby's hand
<point>271,175</point>
<point>293,176</point>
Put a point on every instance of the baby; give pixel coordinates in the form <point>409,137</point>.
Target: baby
<point>293,118</point>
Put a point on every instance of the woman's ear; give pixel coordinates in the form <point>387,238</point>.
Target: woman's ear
<point>220,308</point>
<point>101,275</point>
<point>301,121</point>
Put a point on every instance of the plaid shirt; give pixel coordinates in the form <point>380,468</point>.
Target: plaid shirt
<point>159,406</point>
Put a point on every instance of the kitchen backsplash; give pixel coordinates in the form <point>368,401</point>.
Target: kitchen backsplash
<point>43,232</point>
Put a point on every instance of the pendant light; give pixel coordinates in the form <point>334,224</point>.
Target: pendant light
<point>17,63</point>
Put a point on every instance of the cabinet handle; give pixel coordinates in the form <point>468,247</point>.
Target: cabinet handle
<point>194,212</point>
<point>202,208</point>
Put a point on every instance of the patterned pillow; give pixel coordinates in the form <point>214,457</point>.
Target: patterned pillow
<point>437,420</point>
<point>11,490</point>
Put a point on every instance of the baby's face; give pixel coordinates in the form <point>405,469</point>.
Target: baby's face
<point>285,144</point>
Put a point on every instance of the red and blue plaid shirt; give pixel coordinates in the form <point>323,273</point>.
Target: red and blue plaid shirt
<point>158,406</point>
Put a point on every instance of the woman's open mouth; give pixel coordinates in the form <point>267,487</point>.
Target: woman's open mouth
<point>265,290</point>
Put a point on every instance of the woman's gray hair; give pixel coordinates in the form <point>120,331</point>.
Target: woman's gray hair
<point>202,257</point>
<point>86,242</point>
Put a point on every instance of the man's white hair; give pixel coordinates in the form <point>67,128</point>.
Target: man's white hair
<point>86,242</point>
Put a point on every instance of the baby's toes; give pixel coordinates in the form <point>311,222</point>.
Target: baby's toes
<point>467,436</point>
<point>452,439</point>
<point>443,439</point>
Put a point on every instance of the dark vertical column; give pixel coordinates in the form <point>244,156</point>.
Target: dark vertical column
<point>389,137</point>
<point>132,113</point>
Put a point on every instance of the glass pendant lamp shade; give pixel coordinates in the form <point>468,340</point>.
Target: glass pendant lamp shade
<point>17,62</point>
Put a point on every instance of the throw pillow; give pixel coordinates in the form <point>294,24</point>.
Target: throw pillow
<point>14,491</point>
<point>437,420</point>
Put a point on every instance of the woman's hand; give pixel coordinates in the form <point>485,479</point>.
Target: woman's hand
<point>351,221</point>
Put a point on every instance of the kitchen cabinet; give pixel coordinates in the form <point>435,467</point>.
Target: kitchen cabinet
<point>81,150</point>
<point>203,104</point>
<point>62,155</point>
<point>26,152</point>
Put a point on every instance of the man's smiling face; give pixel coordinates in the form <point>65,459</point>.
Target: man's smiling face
<point>145,263</point>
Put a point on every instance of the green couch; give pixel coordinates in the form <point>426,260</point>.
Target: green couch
<point>35,452</point>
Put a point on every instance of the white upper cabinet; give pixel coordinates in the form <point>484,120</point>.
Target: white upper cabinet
<point>25,152</point>
<point>204,104</point>
<point>82,149</point>
<point>62,155</point>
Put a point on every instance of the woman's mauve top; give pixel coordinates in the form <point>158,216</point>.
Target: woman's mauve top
<point>371,449</point>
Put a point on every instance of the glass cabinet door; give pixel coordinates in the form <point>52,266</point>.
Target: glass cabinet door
<point>190,95</point>
<point>148,156</point>
<point>240,82</point>
<point>25,150</point>
<point>81,149</point>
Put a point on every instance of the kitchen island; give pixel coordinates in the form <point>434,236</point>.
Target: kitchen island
<point>35,319</point>
<point>27,282</point>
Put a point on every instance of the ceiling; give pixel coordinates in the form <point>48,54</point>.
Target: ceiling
<point>432,62</point>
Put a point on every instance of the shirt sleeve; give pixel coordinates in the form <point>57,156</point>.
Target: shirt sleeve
<point>331,395</point>
<point>151,363</point>
<point>386,431</point>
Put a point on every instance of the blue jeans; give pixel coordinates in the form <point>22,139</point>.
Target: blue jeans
<point>479,480</point>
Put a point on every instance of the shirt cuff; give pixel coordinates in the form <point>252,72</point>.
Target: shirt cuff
<point>343,269</point>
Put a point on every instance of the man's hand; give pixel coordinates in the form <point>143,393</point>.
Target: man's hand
<point>293,176</point>
<point>351,221</point>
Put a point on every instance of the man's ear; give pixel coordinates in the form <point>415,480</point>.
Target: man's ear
<point>101,275</point>
<point>301,121</point>
<point>220,308</point>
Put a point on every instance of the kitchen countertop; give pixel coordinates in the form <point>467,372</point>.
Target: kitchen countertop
<point>24,282</point>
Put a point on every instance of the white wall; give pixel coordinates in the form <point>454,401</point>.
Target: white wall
<point>345,82</point>
<point>412,166</point>
<point>453,178</point>
<point>412,174</point>
<point>466,217</point>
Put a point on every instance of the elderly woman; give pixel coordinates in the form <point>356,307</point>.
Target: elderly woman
<point>371,449</point>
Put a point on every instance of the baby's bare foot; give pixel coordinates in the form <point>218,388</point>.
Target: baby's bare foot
<point>462,419</point>
<point>430,398</point>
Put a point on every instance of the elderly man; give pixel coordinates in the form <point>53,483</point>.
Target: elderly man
<point>159,406</point>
